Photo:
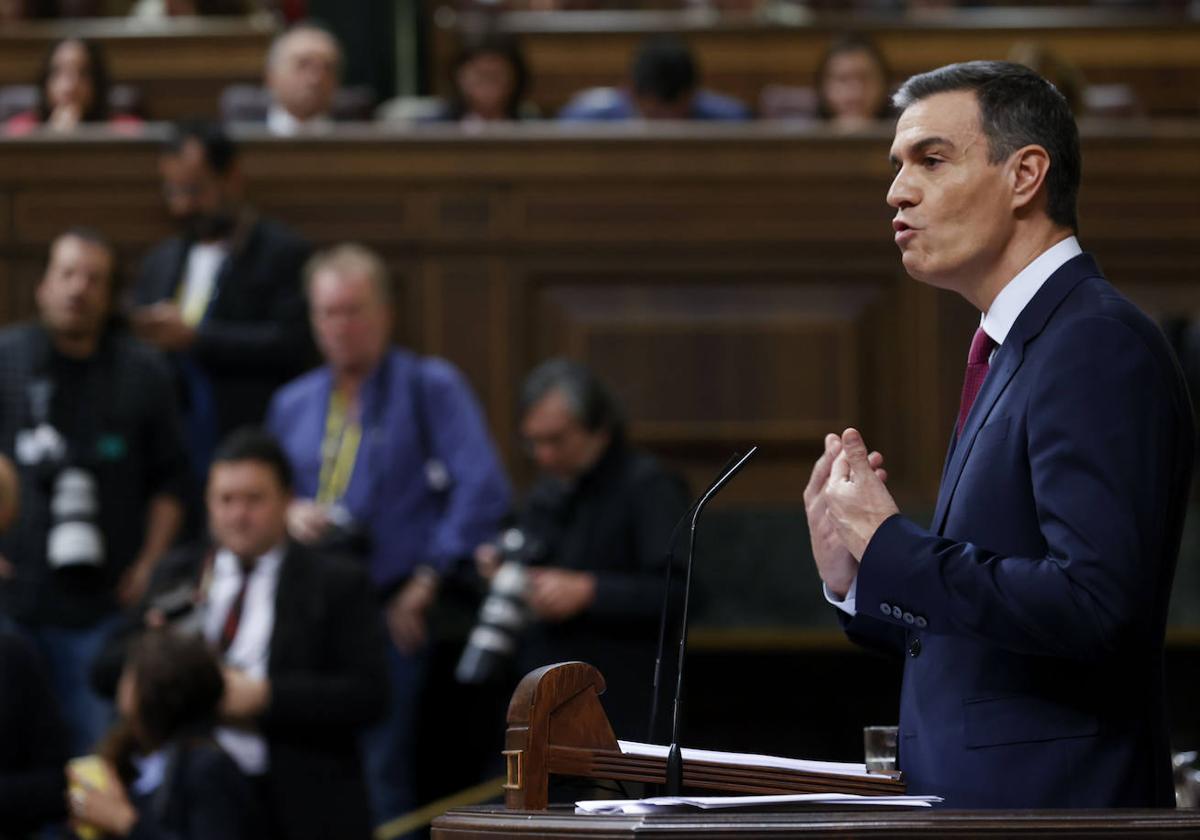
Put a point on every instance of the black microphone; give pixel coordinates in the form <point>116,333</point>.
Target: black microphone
<point>674,754</point>
<point>669,559</point>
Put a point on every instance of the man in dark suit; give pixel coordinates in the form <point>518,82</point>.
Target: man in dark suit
<point>300,638</point>
<point>1031,614</point>
<point>223,296</point>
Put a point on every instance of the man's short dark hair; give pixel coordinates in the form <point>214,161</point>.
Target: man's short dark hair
<point>220,152</point>
<point>253,444</point>
<point>590,401</point>
<point>1017,107</point>
<point>664,69</point>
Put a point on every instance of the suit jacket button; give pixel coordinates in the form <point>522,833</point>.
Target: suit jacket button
<point>921,622</point>
<point>885,609</point>
<point>914,647</point>
<point>908,618</point>
<point>897,611</point>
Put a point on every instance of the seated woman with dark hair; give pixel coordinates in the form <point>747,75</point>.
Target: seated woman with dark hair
<point>73,88</point>
<point>163,775</point>
<point>488,81</point>
<point>852,83</point>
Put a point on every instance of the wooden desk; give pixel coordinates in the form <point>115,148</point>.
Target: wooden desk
<point>494,822</point>
<point>735,283</point>
<point>179,65</point>
<point>1158,54</point>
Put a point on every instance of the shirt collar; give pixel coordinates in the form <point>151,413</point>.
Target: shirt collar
<point>227,562</point>
<point>281,123</point>
<point>1015,296</point>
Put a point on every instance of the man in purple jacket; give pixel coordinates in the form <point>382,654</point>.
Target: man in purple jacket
<point>394,464</point>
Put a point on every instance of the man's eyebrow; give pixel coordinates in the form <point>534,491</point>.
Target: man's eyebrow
<point>921,146</point>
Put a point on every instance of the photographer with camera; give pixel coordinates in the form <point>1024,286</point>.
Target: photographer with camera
<point>88,416</point>
<point>395,468</point>
<point>594,531</point>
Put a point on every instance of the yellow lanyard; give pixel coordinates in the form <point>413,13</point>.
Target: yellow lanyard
<point>339,450</point>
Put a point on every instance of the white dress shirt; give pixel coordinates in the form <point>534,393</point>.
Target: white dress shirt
<point>997,322</point>
<point>204,261</point>
<point>250,649</point>
<point>282,123</point>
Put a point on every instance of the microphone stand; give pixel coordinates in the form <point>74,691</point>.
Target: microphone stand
<point>669,559</point>
<point>674,784</point>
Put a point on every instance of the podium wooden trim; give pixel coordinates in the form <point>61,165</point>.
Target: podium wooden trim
<point>494,822</point>
<point>557,726</point>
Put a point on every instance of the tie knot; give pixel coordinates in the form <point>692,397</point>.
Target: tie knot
<point>981,348</point>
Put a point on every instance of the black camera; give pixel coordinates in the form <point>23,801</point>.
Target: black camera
<point>504,613</point>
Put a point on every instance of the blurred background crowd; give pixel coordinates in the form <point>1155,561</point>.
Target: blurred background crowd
<point>276,550</point>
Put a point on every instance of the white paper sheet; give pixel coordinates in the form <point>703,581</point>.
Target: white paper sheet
<point>836,768</point>
<point>662,804</point>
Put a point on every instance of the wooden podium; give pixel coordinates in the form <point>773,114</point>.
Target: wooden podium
<point>556,726</point>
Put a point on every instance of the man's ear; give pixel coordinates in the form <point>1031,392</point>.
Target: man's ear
<point>1029,167</point>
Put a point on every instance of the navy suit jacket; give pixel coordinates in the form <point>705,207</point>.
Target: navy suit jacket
<point>1031,615</point>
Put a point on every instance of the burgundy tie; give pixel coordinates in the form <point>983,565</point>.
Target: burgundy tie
<point>977,370</point>
<point>233,618</point>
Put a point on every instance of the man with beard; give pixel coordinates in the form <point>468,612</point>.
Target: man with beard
<point>223,296</point>
<point>88,417</point>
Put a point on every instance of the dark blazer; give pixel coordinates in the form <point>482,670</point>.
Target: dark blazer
<point>328,683</point>
<point>1031,615</point>
<point>255,334</point>
<point>203,795</point>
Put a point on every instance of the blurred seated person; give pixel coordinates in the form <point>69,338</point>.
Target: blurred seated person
<point>664,85</point>
<point>301,93</point>
<point>489,80</point>
<point>852,83</point>
<point>163,773</point>
<point>72,89</point>
<point>33,742</point>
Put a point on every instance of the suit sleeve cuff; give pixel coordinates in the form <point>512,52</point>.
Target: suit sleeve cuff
<point>846,604</point>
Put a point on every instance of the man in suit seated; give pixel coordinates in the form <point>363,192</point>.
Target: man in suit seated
<point>303,69</point>
<point>664,85</point>
<point>300,639</point>
<point>1031,613</point>
<point>223,296</point>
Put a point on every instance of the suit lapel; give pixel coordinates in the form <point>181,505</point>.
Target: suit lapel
<point>290,592</point>
<point>1005,363</point>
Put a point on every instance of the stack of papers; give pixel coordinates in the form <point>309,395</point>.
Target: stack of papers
<point>668,804</point>
<point>838,768</point>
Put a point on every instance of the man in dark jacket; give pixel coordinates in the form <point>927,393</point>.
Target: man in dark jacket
<point>224,294</point>
<point>601,515</point>
<point>300,639</point>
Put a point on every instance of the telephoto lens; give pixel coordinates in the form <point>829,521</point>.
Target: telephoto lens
<point>503,616</point>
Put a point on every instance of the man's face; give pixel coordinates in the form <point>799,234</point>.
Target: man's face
<point>247,507</point>
<point>558,441</point>
<point>954,208</point>
<point>304,74</point>
<point>76,291</point>
<point>350,321</point>
<point>200,200</point>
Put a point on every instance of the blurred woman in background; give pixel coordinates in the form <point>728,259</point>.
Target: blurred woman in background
<point>73,88</point>
<point>160,773</point>
<point>489,80</point>
<point>853,83</point>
